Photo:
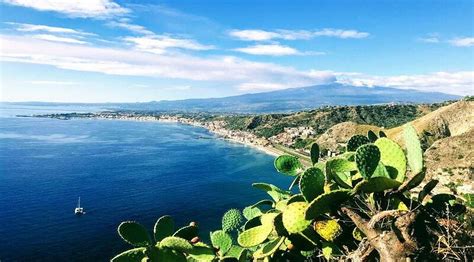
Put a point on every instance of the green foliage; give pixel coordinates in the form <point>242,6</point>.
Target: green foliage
<point>372,136</point>
<point>301,225</point>
<point>367,159</point>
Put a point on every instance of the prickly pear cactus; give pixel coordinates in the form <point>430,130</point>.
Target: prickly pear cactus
<point>254,236</point>
<point>164,227</point>
<point>413,147</point>
<point>176,243</point>
<point>289,165</point>
<point>232,220</point>
<point>222,241</point>
<point>367,158</point>
<point>391,155</point>
<point>327,202</point>
<point>134,234</point>
<point>314,153</point>
<point>135,254</point>
<point>356,141</point>
<point>294,217</point>
<point>338,169</point>
<point>376,184</point>
<point>329,229</point>
<point>312,183</point>
<point>372,136</point>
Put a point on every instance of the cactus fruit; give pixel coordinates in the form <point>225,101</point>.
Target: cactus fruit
<point>135,254</point>
<point>356,141</point>
<point>314,153</point>
<point>327,202</point>
<point>134,234</point>
<point>367,158</point>
<point>254,236</point>
<point>269,248</point>
<point>376,184</point>
<point>372,136</point>
<point>193,224</point>
<point>164,227</point>
<point>413,148</point>
<point>232,220</point>
<point>391,155</point>
<point>329,229</point>
<point>222,241</point>
<point>312,183</point>
<point>176,243</point>
<point>289,165</point>
<point>187,232</point>
<point>195,240</point>
<point>294,217</point>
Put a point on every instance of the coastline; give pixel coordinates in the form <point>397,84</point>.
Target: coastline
<point>240,137</point>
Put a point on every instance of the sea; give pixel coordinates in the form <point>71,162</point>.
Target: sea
<point>121,170</point>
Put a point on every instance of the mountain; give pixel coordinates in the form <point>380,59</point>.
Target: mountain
<point>296,99</point>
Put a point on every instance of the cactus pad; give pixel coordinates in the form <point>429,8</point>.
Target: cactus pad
<point>314,153</point>
<point>267,219</point>
<point>251,212</point>
<point>269,248</point>
<point>356,141</point>
<point>328,229</point>
<point>201,253</point>
<point>296,198</point>
<point>176,243</point>
<point>367,158</point>
<point>372,136</point>
<point>187,232</point>
<point>134,233</point>
<point>294,217</point>
<point>232,220</point>
<point>164,227</point>
<point>276,193</point>
<point>312,183</point>
<point>327,202</point>
<point>167,254</point>
<point>135,254</point>
<point>391,155</point>
<point>376,184</point>
<point>413,147</point>
<point>357,234</point>
<point>289,165</point>
<point>254,236</point>
<point>222,241</point>
<point>338,169</point>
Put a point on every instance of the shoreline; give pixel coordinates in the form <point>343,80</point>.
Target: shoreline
<point>219,131</point>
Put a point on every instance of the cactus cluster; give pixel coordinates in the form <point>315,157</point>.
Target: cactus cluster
<point>327,212</point>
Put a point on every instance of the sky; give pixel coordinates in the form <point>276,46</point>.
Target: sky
<point>137,51</point>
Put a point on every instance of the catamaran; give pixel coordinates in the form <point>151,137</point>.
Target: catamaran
<point>79,210</point>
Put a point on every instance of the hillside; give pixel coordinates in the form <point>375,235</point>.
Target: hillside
<point>295,99</point>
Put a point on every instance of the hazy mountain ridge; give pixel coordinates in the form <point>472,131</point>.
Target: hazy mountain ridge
<point>286,100</point>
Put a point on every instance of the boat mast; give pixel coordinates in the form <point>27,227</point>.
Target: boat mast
<point>79,202</point>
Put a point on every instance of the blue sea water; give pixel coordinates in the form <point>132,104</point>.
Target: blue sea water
<point>122,170</point>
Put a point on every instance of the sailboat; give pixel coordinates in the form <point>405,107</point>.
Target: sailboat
<point>79,210</point>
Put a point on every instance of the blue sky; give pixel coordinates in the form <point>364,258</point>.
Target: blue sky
<point>128,51</point>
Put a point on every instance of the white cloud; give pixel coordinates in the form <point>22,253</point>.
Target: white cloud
<point>158,44</point>
<point>462,42</point>
<point>124,23</point>
<point>230,71</point>
<point>50,29</point>
<point>273,50</point>
<point>459,83</point>
<point>429,39</point>
<point>262,35</point>
<point>97,9</point>
<point>52,82</point>
<point>58,39</point>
